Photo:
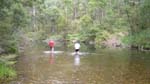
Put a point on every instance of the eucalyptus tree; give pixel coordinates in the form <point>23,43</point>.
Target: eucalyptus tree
<point>138,18</point>
<point>144,14</point>
<point>12,17</point>
<point>15,15</point>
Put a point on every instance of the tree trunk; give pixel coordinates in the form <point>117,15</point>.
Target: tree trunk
<point>33,18</point>
<point>75,5</point>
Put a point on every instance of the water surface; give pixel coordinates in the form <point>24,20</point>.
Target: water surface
<point>101,66</point>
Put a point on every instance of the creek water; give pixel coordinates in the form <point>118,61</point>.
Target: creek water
<point>93,66</point>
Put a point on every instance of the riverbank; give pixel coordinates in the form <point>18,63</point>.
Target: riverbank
<point>7,68</point>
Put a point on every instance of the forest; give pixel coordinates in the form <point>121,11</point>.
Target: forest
<point>104,23</point>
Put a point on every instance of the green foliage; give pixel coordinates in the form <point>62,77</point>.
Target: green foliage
<point>86,21</point>
<point>94,20</point>
<point>62,22</point>
<point>19,15</point>
<point>75,26</point>
<point>13,17</point>
<point>145,15</point>
<point>139,39</point>
<point>138,17</point>
<point>6,72</point>
<point>94,4</point>
<point>7,41</point>
<point>36,36</point>
<point>102,36</point>
<point>74,37</point>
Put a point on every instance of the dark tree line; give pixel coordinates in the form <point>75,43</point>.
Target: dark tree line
<point>88,20</point>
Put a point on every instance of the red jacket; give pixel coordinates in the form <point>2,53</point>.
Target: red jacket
<point>51,43</point>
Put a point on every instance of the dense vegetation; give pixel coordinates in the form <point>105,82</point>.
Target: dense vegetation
<point>96,21</point>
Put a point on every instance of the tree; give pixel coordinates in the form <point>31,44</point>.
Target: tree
<point>13,17</point>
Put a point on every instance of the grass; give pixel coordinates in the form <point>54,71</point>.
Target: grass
<point>7,72</point>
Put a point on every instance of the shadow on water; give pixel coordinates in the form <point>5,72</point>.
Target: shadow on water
<point>101,66</point>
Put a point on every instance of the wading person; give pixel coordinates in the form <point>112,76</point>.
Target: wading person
<point>77,47</point>
<point>51,45</point>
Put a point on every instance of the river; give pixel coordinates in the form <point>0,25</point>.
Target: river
<point>92,66</point>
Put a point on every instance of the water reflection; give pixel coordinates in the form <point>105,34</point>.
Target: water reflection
<point>51,61</point>
<point>91,48</point>
<point>76,60</point>
<point>138,68</point>
<point>100,67</point>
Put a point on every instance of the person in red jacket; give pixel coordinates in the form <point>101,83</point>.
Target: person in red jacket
<point>51,45</point>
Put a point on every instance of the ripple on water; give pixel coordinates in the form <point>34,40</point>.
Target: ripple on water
<point>103,67</point>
